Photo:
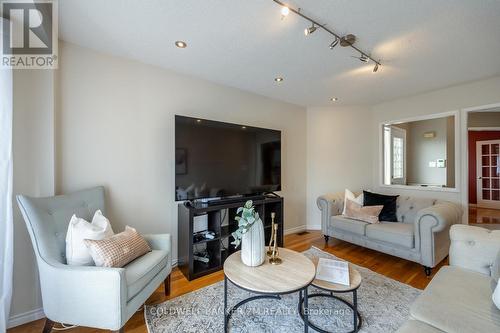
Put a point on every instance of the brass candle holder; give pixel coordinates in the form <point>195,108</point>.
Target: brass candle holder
<point>270,248</point>
<point>275,259</point>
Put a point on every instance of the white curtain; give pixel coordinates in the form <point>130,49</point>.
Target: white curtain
<point>6,224</point>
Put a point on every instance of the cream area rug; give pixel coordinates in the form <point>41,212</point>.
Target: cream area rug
<point>383,303</point>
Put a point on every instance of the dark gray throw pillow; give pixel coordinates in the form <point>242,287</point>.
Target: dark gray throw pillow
<point>388,213</point>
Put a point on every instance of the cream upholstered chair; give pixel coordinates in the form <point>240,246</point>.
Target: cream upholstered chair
<point>459,297</point>
<point>98,297</point>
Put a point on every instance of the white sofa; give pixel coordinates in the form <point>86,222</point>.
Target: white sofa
<point>458,299</point>
<point>421,235</point>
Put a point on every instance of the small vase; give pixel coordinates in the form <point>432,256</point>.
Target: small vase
<point>253,249</point>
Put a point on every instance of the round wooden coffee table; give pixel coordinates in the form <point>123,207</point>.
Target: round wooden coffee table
<point>355,281</point>
<point>294,274</point>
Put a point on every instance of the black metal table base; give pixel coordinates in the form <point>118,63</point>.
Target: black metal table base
<point>228,314</point>
<point>357,320</point>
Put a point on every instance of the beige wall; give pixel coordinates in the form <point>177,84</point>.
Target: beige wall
<point>420,151</point>
<point>115,127</point>
<point>338,153</point>
<point>33,152</point>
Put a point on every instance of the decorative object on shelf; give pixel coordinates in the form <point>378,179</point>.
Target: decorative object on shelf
<point>344,41</point>
<point>270,247</point>
<point>275,259</point>
<point>250,234</point>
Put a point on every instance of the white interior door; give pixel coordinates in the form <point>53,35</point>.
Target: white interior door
<point>488,173</point>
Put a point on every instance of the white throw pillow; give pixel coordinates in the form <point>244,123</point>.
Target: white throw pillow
<point>496,296</point>
<point>79,229</point>
<point>351,196</point>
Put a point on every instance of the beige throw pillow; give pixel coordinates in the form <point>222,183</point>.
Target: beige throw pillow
<point>118,250</point>
<point>349,195</point>
<point>367,213</point>
<point>77,252</point>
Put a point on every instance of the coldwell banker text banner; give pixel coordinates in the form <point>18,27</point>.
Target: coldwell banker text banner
<point>29,34</point>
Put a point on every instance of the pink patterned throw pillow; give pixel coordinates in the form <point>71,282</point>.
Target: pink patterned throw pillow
<point>363,213</point>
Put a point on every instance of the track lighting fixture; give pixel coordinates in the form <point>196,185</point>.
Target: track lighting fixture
<point>334,43</point>
<point>344,41</point>
<point>310,30</point>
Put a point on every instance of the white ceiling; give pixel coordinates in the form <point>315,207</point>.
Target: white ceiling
<point>423,45</point>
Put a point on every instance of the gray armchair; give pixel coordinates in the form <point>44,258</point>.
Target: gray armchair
<point>98,297</point>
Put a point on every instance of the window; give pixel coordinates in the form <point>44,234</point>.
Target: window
<point>397,158</point>
<point>394,155</point>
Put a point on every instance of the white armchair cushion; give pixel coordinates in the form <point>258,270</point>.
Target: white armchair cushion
<point>79,229</point>
<point>474,248</point>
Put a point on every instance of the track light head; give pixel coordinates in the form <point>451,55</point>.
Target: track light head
<point>310,30</point>
<point>364,58</point>
<point>334,43</point>
<point>375,68</point>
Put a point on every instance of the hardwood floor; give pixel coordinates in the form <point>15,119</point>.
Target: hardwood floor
<point>478,216</point>
<point>392,267</point>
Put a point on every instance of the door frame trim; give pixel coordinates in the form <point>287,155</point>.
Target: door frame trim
<point>491,204</point>
<point>464,143</point>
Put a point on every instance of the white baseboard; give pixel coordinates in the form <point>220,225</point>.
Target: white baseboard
<point>294,230</point>
<point>314,227</point>
<point>301,228</point>
<point>26,317</point>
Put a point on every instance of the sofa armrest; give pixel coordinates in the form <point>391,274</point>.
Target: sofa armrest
<point>159,241</point>
<point>432,226</point>
<point>330,204</point>
<point>442,215</point>
<point>474,248</point>
<point>84,295</point>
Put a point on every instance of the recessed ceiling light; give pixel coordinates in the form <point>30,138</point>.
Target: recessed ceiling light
<point>243,127</point>
<point>198,120</point>
<point>278,79</point>
<point>334,99</point>
<point>180,44</point>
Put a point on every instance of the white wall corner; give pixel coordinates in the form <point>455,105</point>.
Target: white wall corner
<point>294,230</point>
<point>314,227</point>
<point>26,317</point>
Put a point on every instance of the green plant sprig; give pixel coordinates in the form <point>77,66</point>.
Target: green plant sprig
<point>247,219</point>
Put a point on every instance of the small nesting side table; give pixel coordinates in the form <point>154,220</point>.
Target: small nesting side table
<point>331,289</point>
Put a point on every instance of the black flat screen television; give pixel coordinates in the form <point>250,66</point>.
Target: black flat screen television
<point>215,159</point>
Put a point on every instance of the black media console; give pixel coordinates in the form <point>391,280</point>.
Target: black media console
<point>218,218</point>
